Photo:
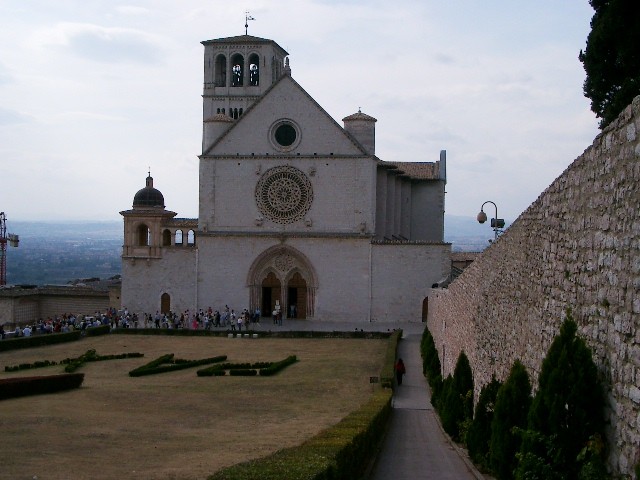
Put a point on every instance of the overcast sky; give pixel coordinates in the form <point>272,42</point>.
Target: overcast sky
<point>93,93</point>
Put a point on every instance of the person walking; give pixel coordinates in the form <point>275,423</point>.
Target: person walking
<point>400,370</point>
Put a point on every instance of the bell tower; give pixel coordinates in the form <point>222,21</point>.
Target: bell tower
<point>237,71</point>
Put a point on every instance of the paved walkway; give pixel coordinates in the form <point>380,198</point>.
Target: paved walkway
<point>415,446</point>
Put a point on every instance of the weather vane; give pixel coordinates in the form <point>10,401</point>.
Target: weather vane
<point>247,17</point>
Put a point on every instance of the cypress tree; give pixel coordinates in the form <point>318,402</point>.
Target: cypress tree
<point>512,407</point>
<point>479,434</point>
<point>456,399</point>
<point>567,413</point>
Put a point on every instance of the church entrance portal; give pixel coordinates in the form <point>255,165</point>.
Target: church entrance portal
<point>283,276</point>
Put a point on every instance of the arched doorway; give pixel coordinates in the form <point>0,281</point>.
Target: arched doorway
<point>271,294</point>
<point>297,297</point>
<point>165,303</point>
<point>285,275</point>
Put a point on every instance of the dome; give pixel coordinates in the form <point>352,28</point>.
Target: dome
<point>148,196</point>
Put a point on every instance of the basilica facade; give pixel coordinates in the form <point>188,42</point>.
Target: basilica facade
<point>296,212</point>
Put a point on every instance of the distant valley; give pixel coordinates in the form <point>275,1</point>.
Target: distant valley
<point>60,253</point>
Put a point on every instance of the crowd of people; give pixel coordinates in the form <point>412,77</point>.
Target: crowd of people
<point>200,319</point>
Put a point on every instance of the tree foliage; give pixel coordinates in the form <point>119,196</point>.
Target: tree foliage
<point>611,58</point>
<point>455,403</point>
<point>431,366</point>
<point>479,433</point>
<point>568,408</point>
<point>511,410</point>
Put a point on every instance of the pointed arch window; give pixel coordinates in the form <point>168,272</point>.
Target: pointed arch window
<point>237,70</point>
<point>254,70</point>
<point>221,71</point>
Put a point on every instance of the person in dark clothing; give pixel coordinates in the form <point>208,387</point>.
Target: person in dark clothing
<point>400,370</point>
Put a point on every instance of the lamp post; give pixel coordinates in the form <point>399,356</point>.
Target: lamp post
<point>496,223</point>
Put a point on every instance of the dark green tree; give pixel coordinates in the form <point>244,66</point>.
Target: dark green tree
<point>456,400</point>
<point>611,58</point>
<point>431,364</point>
<point>567,412</point>
<point>479,433</point>
<point>511,411</point>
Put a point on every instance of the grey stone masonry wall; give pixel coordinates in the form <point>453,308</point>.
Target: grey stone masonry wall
<point>577,246</point>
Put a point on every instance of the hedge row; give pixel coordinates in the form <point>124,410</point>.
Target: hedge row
<point>24,386</point>
<point>388,374</point>
<point>91,356</point>
<point>166,363</point>
<point>340,452</point>
<point>39,340</point>
<point>95,331</point>
<point>262,333</point>
<point>88,357</point>
<point>247,369</point>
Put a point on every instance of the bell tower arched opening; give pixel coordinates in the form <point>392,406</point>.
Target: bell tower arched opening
<point>254,70</point>
<point>237,70</point>
<point>221,71</point>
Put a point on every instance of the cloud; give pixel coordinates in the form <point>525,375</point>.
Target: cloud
<point>131,10</point>
<point>11,117</point>
<point>104,44</point>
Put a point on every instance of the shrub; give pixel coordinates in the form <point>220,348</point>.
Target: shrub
<point>568,408</point>
<point>387,374</point>
<point>340,452</point>
<point>479,434</point>
<point>167,363</point>
<point>511,410</point>
<point>278,366</point>
<point>24,386</point>
<point>431,366</point>
<point>101,330</point>
<point>456,400</point>
<point>39,340</point>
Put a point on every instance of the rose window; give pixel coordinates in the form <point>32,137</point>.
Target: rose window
<point>284,194</point>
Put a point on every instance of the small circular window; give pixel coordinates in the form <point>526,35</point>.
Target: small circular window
<point>285,135</point>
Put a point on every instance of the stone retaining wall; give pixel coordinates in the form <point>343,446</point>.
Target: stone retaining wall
<point>577,246</point>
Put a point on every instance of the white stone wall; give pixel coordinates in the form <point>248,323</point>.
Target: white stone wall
<point>577,246</point>
<point>402,275</point>
<point>144,281</point>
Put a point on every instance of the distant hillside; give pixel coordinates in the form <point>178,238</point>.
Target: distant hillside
<point>57,253</point>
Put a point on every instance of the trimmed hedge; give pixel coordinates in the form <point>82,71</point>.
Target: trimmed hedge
<point>94,331</point>
<point>275,367</point>
<point>340,452</point>
<point>39,340</point>
<point>264,369</point>
<point>166,363</point>
<point>91,356</point>
<point>25,386</point>
<point>387,374</point>
<point>262,333</point>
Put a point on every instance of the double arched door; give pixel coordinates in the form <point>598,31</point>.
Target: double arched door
<point>282,278</point>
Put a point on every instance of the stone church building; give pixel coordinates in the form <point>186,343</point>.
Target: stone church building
<point>295,211</point>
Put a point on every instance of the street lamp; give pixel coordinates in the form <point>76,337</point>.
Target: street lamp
<point>496,223</point>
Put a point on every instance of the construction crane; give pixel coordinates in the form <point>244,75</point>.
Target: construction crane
<point>5,238</point>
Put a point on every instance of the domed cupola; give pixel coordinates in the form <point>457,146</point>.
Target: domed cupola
<point>148,196</point>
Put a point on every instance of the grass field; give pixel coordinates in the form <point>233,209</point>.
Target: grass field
<point>177,425</point>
